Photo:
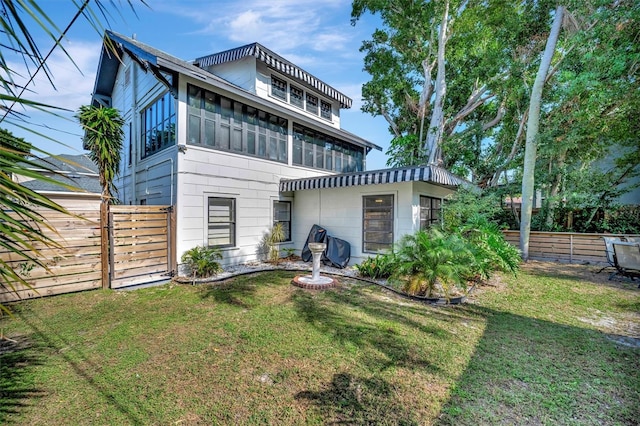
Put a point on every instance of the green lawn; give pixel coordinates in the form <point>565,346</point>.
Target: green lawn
<point>543,348</point>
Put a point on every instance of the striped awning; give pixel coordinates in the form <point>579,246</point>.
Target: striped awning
<point>276,62</point>
<point>431,174</point>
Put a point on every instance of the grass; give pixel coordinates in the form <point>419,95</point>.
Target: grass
<point>543,348</point>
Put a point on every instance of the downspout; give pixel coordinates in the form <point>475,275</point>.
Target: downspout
<point>135,133</point>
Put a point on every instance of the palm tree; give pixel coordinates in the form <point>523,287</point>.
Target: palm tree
<point>103,139</point>
<point>22,226</point>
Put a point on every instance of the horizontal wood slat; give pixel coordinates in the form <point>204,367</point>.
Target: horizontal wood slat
<point>142,279</point>
<point>134,272</point>
<point>564,246</point>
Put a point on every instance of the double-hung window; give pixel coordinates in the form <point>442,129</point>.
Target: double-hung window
<point>377,223</point>
<point>430,211</point>
<point>221,222</point>
<point>282,214</point>
<point>278,88</point>
<point>325,110</point>
<point>312,104</point>
<point>296,96</point>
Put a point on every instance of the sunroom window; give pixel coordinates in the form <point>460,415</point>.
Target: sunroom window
<point>158,125</point>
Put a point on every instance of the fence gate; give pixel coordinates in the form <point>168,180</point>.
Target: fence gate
<point>142,244</point>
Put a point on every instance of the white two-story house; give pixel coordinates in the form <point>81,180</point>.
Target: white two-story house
<point>241,139</point>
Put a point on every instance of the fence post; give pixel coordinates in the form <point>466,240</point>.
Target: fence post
<point>570,248</point>
<point>104,244</point>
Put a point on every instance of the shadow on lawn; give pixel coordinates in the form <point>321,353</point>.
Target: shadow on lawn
<point>236,291</point>
<point>581,274</point>
<point>530,371</point>
<point>47,339</point>
<point>380,339</point>
<point>16,389</point>
<point>360,401</point>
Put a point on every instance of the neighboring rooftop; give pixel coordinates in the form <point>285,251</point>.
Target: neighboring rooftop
<point>75,170</point>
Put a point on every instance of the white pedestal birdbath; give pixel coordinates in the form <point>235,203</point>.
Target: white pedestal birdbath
<point>315,280</point>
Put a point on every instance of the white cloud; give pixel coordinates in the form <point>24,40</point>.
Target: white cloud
<point>285,26</point>
<point>73,83</point>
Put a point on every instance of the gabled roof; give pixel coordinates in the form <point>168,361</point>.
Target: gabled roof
<point>430,174</point>
<point>155,61</point>
<point>70,170</point>
<point>276,62</point>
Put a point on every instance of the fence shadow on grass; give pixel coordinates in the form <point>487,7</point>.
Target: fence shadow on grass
<point>530,371</point>
<point>17,358</point>
<point>50,340</point>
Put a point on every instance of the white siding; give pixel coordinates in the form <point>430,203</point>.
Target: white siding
<point>152,179</point>
<point>242,73</point>
<point>252,182</point>
<point>339,211</point>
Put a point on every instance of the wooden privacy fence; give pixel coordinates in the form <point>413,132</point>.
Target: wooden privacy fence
<point>564,246</point>
<point>140,244</point>
<point>73,267</point>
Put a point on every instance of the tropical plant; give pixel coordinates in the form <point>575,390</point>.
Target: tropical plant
<point>272,239</point>
<point>103,139</point>
<point>202,261</point>
<point>379,266</point>
<point>490,250</point>
<point>290,252</point>
<point>430,258</point>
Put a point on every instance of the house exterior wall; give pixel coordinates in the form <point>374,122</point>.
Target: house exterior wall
<point>253,182</point>
<point>340,211</point>
<point>242,72</point>
<point>149,180</point>
<point>186,175</point>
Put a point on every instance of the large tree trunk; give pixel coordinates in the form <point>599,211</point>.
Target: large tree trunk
<point>436,126</point>
<point>533,123</point>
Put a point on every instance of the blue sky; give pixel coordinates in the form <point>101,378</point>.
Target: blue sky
<point>315,35</point>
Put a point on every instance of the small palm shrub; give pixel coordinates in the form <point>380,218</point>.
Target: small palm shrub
<point>380,266</point>
<point>430,258</point>
<point>275,236</point>
<point>202,261</point>
<point>490,250</point>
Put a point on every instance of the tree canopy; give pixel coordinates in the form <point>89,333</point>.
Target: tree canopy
<point>490,52</point>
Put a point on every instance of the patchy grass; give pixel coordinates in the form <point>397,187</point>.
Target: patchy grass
<point>546,347</point>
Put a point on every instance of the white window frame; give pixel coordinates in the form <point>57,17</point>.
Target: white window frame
<point>390,221</point>
<point>231,223</point>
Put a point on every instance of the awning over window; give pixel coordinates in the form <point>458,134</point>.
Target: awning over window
<point>430,174</point>
<point>276,62</point>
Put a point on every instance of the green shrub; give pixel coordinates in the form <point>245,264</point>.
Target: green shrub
<point>380,266</point>
<point>490,250</point>
<point>202,261</point>
<point>432,257</point>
